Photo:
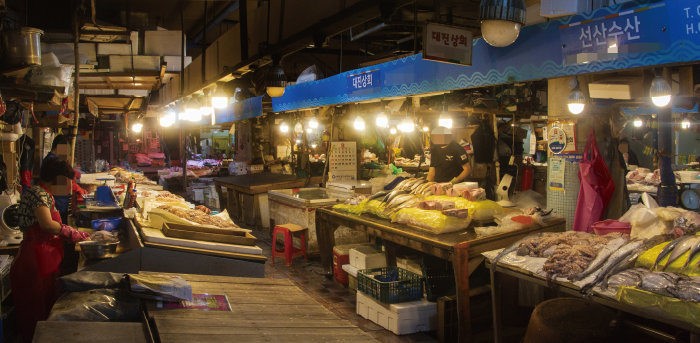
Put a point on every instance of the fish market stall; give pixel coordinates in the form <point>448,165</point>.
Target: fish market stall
<point>246,195</point>
<point>654,278</point>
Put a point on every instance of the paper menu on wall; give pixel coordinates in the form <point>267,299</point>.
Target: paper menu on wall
<point>342,164</point>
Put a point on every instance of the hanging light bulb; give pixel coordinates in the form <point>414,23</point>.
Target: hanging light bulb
<point>284,127</point>
<point>193,115</point>
<point>660,92</point>
<point>359,123</point>
<point>392,131</point>
<point>426,129</point>
<point>137,127</point>
<point>205,110</point>
<point>313,123</point>
<point>638,122</point>
<point>576,101</point>
<point>501,21</point>
<point>313,145</point>
<point>220,98</point>
<point>445,121</point>
<point>168,119</point>
<point>685,123</point>
<point>406,126</point>
<point>382,120</point>
<point>309,130</point>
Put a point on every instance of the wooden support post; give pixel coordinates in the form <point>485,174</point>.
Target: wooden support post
<point>460,264</point>
<point>76,85</point>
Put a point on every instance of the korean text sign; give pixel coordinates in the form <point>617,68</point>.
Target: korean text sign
<point>449,44</point>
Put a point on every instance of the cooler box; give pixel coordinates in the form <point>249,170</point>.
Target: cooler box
<point>367,257</point>
<point>402,318</point>
<point>341,256</point>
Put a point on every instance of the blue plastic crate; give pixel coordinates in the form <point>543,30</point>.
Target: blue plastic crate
<point>106,224</point>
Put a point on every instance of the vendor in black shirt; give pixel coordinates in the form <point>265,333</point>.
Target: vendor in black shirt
<point>448,159</point>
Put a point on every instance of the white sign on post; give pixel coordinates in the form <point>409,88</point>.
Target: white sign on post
<point>445,43</point>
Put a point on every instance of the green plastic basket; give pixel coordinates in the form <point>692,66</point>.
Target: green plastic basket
<point>407,287</point>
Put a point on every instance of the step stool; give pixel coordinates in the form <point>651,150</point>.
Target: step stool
<point>289,231</point>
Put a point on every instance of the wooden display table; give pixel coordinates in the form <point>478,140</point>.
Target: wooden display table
<point>462,248</point>
<point>245,193</point>
<point>89,332</point>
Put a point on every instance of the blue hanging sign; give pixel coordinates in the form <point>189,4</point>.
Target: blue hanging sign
<point>364,80</point>
<point>659,32</point>
<point>240,110</point>
<point>609,37</point>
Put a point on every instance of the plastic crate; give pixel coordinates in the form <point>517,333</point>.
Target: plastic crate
<point>400,285</point>
<point>439,277</point>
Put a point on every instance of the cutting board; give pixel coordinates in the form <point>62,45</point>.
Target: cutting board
<point>229,236</point>
<point>153,235</point>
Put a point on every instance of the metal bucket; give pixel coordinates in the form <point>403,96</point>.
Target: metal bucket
<point>23,47</point>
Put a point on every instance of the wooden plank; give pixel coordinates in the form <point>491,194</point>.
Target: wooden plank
<point>246,239</point>
<point>225,279</point>
<point>232,231</point>
<point>225,326</point>
<point>224,315</point>
<point>242,310</point>
<point>311,336</point>
<point>88,332</point>
<point>250,257</point>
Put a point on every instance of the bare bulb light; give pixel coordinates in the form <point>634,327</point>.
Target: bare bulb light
<point>359,123</point>
<point>576,102</point>
<point>406,126</point>
<point>660,92</point>
<point>382,120</point>
<point>426,129</point>
<point>284,127</point>
<point>685,124</point>
<point>392,131</point>
<point>638,122</point>
<point>445,121</point>
<point>313,123</point>
<point>137,127</point>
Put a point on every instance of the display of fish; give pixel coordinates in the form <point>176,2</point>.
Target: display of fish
<point>612,261</point>
<point>686,289</point>
<point>602,256</point>
<point>629,261</point>
<point>422,187</point>
<point>378,195</point>
<point>667,250</point>
<point>400,185</point>
<point>659,282</point>
<point>693,250</point>
<point>681,248</point>
<point>393,194</point>
<point>413,183</point>
<point>407,204</point>
<point>398,200</point>
<point>629,277</point>
<point>514,247</point>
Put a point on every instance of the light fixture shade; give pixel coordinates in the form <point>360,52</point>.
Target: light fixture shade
<point>445,121</point>
<point>576,101</point>
<point>359,124</point>
<point>137,127</point>
<point>382,120</point>
<point>275,81</point>
<point>406,126</point>
<point>313,123</point>
<point>501,21</point>
<point>660,92</point>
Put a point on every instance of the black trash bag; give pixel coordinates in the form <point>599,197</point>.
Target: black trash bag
<point>3,175</point>
<point>26,159</point>
<point>97,305</point>
<point>87,280</point>
<point>13,113</point>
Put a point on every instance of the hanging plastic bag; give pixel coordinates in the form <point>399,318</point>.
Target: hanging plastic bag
<point>596,188</point>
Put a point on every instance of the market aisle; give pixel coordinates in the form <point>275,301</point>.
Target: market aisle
<point>309,277</point>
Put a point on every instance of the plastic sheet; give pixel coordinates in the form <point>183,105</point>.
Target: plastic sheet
<point>683,310</point>
<point>647,259</point>
<point>645,222</point>
<point>87,280</point>
<point>430,220</point>
<point>98,305</point>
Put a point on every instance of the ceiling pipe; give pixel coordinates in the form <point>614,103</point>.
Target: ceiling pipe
<point>367,32</point>
<point>228,10</point>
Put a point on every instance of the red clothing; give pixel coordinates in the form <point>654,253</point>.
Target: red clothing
<point>33,275</point>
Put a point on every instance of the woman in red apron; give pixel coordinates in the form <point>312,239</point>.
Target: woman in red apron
<point>35,269</point>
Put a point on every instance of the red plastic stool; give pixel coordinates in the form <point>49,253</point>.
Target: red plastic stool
<point>289,231</point>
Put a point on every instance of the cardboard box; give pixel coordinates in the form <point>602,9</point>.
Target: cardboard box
<point>402,318</point>
<point>367,257</point>
<point>123,63</point>
<point>162,43</point>
<point>115,49</point>
<point>173,63</point>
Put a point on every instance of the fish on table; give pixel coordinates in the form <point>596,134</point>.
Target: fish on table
<point>602,256</point>
<point>681,248</point>
<point>667,250</point>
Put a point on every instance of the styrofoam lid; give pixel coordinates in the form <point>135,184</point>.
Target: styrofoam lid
<point>350,269</point>
<point>414,306</point>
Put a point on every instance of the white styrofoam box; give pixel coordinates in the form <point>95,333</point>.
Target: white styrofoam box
<point>173,63</point>
<point>560,8</point>
<point>133,92</point>
<point>348,268</point>
<point>115,49</point>
<point>198,194</point>
<point>367,257</point>
<point>134,40</point>
<point>162,43</point>
<point>402,318</point>
<point>97,91</point>
<point>65,52</point>
<point>123,63</point>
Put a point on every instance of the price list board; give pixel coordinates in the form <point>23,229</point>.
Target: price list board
<point>343,161</point>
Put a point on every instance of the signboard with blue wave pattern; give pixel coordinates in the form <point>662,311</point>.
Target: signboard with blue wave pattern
<point>536,54</point>
<point>240,110</point>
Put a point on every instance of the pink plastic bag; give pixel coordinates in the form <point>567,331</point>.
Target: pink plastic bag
<point>596,189</point>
